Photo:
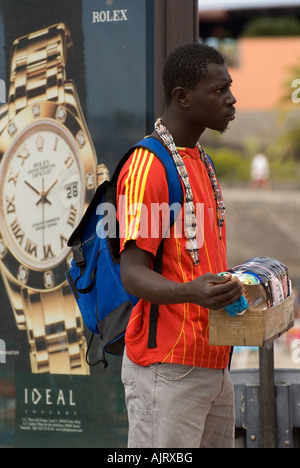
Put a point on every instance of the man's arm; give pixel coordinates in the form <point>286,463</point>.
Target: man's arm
<point>211,291</point>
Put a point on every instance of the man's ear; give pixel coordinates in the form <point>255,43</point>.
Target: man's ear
<point>180,95</point>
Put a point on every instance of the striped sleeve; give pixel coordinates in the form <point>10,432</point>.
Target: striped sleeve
<point>142,184</point>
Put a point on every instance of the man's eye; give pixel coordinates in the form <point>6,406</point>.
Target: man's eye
<point>223,90</point>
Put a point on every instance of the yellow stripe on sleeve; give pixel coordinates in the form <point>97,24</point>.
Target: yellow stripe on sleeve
<point>135,185</point>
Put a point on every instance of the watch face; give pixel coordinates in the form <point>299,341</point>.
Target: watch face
<point>42,195</point>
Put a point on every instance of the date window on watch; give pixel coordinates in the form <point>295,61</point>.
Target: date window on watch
<point>72,191</point>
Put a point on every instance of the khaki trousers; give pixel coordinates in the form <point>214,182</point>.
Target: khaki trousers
<point>178,406</point>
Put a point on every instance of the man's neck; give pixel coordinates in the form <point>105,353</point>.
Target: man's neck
<point>183,134</point>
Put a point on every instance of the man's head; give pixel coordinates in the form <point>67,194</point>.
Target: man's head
<point>187,65</point>
<point>197,81</point>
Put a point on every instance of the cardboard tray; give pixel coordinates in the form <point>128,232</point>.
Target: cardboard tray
<point>256,327</point>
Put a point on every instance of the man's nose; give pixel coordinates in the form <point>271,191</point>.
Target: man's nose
<point>230,99</point>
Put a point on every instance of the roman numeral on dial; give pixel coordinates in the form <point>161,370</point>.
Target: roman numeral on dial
<point>10,205</point>
<point>31,248</point>
<point>72,216</point>
<point>48,253</point>
<point>17,231</point>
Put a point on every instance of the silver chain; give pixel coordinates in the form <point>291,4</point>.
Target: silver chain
<point>172,378</point>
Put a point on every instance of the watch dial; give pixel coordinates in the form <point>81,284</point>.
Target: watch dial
<point>41,195</point>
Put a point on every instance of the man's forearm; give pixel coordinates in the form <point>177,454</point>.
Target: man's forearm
<point>208,290</point>
<point>149,285</point>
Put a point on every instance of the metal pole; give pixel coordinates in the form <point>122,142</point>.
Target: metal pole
<point>267,401</point>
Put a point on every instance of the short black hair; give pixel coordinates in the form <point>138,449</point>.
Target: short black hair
<point>187,65</point>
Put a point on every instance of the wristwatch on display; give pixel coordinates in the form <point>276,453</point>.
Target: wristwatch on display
<point>48,175</point>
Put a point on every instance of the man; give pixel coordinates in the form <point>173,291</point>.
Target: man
<point>179,393</point>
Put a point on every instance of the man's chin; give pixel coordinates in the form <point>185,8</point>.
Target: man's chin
<point>220,130</point>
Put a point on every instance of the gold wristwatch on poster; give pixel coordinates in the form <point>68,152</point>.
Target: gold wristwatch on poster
<point>48,175</point>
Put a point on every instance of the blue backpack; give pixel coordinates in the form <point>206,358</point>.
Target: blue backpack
<point>94,277</point>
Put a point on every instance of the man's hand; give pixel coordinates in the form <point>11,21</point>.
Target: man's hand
<point>215,292</point>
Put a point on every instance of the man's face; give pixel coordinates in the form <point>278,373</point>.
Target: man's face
<point>211,100</point>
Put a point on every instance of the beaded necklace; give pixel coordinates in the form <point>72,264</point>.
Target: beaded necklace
<point>191,220</point>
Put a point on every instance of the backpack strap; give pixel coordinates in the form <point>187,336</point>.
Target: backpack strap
<point>211,162</point>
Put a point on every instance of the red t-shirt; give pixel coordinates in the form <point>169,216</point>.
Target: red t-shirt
<point>182,330</point>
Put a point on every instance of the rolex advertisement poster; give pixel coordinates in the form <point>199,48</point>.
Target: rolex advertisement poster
<point>75,92</point>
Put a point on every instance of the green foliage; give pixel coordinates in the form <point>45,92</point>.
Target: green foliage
<point>234,166</point>
<point>286,146</point>
<point>282,171</point>
<point>272,26</point>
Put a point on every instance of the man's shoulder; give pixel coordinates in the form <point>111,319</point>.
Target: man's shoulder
<point>140,159</point>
